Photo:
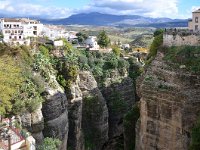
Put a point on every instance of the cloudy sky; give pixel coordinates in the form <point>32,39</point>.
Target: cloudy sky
<point>65,8</point>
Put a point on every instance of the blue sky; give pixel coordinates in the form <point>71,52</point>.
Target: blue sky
<point>65,8</point>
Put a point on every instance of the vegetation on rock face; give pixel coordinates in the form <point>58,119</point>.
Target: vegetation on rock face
<point>117,103</point>
<point>101,65</point>
<point>157,43</point>
<point>10,79</point>
<point>20,90</point>
<point>49,144</point>
<point>129,123</point>
<point>189,56</point>
<point>92,110</point>
<point>195,143</point>
<point>135,69</point>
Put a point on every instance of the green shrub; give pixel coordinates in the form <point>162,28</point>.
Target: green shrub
<point>184,55</point>
<point>50,144</point>
<point>122,63</point>
<point>10,79</point>
<point>44,51</point>
<point>157,43</point>
<point>116,50</point>
<point>135,69</point>
<point>28,98</point>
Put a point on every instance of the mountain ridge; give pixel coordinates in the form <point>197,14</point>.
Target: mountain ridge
<point>101,19</point>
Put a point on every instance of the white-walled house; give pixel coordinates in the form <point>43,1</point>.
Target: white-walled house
<point>58,43</point>
<point>54,32</point>
<point>91,42</point>
<point>19,30</point>
<point>125,46</point>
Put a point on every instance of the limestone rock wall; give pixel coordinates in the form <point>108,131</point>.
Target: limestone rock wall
<point>34,123</point>
<point>120,98</point>
<point>75,100</point>
<point>169,106</point>
<point>95,113</point>
<point>55,114</point>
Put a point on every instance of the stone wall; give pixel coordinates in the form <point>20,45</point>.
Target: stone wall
<point>176,39</point>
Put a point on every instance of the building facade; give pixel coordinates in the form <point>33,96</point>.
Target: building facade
<point>91,42</point>
<point>19,30</point>
<point>194,23</point>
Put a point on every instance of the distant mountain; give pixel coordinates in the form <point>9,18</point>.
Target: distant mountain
<point>99,19</point>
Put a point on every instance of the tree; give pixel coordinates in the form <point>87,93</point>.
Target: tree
<point>116,50</point>
<point>10,79</point>
<point>103,39</point>
<point>158,32</point>
<point>81,37</point>
<point>156,44</point>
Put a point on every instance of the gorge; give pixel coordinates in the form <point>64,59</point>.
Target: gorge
<point>101,101</point>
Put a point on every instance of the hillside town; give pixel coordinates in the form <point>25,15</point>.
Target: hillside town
<point>22,31</point>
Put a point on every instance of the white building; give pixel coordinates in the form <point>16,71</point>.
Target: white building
<point>58,43</point>
<point>125,46</point>
<point>91,42</point>
<point>55,32</point>
<point>18,30</point>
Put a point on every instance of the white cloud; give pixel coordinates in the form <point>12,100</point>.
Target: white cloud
<point>27,8</point>
<point>150,8</point>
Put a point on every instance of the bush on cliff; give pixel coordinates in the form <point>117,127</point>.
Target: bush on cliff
<point>10,79</point>
<point>19,91</point>
<point>129,122</point>
<point>49,144</point>
<point>157,43</point>
<point>184,55</point>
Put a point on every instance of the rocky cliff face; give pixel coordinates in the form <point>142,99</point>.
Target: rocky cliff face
<point>169,106</point>
<point>55,115</point>
<point>86,118</point>
<point>95,113</point>
<point>88,114</point>
<point>34,123</point>
<point>120,97</point>
<point>51,119</point>
<point>75,101</point>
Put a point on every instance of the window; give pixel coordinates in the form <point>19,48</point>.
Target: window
<point>20,37</point>
<point>196,27</point>
<point>196,19</point>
